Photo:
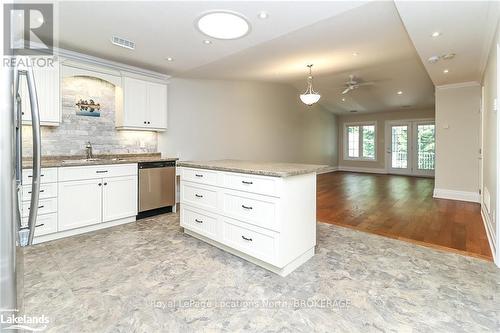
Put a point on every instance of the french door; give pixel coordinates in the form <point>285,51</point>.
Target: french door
<point>411,147</point>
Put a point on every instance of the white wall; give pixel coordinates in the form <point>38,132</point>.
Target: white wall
<point>457,141</point>
<point>490,148</point>
<point>211,119</point>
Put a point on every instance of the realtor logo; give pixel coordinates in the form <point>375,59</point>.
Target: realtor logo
<point>28,29</point>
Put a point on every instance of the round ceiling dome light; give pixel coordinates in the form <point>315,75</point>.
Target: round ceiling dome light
<point>223,25</point>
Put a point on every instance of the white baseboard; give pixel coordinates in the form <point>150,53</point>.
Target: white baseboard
<point>327,170</point>
<point>364,170</point>
<point>490,234</point>
<point>82,230</point>
<point>442,193</point>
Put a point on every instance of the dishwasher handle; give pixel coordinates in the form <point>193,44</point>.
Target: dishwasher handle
<point>158,164</point>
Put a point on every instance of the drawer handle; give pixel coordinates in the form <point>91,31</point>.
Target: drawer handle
<point>198,195</point>
<point>101,171</point>
<point>38,207</point>
<point>246,207</point>
<point>198,221</point>
<point>246,182</point>
<point>247,239</point>
<point>41,191</point>
<point>198,175</point>
<point>32,176</point>
<point>40,225</point>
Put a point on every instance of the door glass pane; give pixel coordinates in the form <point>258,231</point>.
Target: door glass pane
<point>353,141</point>
<point>399,135</point>
<point>369,141</point>
<point>426,146</point>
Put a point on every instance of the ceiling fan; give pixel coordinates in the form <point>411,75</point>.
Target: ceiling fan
<point>354,83</point>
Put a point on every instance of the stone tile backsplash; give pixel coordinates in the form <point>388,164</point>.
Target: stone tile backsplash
<point>74,131</point>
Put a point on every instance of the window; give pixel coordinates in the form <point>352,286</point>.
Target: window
<point>360,141</point>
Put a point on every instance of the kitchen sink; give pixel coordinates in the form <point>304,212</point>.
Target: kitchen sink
<point>90,160</point>
<point>78,161</point>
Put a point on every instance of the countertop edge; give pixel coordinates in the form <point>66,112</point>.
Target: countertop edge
<point>278,174</point>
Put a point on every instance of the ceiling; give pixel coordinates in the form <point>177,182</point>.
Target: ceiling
<point>467,29</point>
<point>164,29</point>
<point>277,48</point>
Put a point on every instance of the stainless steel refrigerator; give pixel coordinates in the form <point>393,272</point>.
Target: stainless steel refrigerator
<point>13,234</point>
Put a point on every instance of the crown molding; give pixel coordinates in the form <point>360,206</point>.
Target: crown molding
<point>459,85</point>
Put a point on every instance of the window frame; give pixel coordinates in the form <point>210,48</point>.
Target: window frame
<point>346,141</point>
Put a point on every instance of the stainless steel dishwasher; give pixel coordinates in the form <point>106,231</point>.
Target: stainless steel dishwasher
<point>156,188</point>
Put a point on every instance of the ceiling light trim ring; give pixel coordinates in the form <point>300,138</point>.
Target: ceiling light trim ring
<point>222,11</point>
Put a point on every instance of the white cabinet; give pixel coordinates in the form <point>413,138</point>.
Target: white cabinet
<point>157,105</point>
<point>119,198</point>
<point>96,194</point>
<point>80,203</point>
<point>270,221</point>
<point>143,105</point>
<point>47,82</point>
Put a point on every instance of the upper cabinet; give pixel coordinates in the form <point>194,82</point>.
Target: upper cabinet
<point>141,105</point>
<point>47,82</point>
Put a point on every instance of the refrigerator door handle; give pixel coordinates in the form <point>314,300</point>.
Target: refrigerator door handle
<point>19,153</point>
<point>37,154</point>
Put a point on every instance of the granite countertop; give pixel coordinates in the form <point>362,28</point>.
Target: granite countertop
<point>257,168</point>
<point>80,160</point>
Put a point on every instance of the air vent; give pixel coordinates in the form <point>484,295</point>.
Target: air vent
<point>123,42</point>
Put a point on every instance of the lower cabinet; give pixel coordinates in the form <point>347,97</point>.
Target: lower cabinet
<point>119,198</point>
<point>84,202</point>
<point>80,203</point>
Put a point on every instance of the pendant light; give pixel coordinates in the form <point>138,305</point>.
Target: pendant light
<point>310,97</point>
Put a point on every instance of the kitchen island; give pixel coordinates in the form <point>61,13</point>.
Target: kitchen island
<point>261,211</point>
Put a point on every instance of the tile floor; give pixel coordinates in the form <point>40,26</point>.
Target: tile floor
<point>150,277</point>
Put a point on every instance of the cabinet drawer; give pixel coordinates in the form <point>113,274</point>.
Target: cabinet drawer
<point>45,206</point>
<point>200,222</point>
<point>47,175</point>
<point>256,209</point>
<point>45,224</point>
<point>257,242</point>
<point>199,195</point>
<point>46,191</point>
<point>201,176</point>
<point>254,184</point>
<point>96,171</point>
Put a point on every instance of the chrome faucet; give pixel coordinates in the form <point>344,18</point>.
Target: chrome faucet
<point>88,148</point>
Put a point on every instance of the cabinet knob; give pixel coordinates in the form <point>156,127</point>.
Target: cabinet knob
<point>145,122</point>
<point>149,122</point>
<point>105,184</point>
<point>100,184</point>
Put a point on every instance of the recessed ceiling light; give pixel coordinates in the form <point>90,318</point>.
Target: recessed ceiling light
<point>263,15</point>
<point>400,92</point>
<point>170,59</point>
<point>355,54</point>
<point>223,25</point>
<point>206,41</point>
<point>343,99</point>
<point>446,71</point>
<point>436,34</point>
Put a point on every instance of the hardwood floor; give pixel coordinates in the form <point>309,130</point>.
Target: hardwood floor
<point>401,207</point>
